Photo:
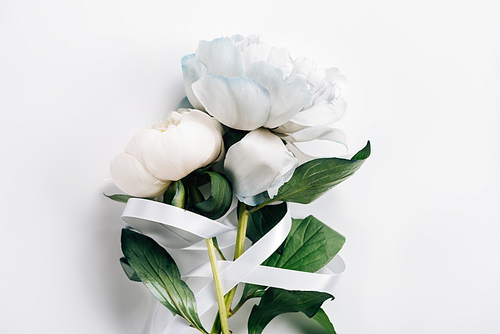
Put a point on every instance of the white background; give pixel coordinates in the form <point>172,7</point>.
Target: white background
<point>79,78</point>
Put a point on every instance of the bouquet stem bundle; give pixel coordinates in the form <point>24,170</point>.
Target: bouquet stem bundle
<point>249,104</point>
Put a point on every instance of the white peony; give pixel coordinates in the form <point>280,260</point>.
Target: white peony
<point>167,151</point>
<point>247,85</point>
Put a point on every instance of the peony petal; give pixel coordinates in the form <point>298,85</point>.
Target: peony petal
<point>288,127</point>
<point>255,52</point>
<point>240,103</point>
<point>318,132</point>
<point>254,200</point>
<point>235,38</point>
<point>322,113</point>
<point>192,71</point>
<point>136,145</point>
<point>221,57</point>
<point>302,67</point>
<point>287,98</point>
<point>181,149</point>
<point>334,77</point>
<point>209,122</point>
<point>280,57</point>
<point>243,42</point>
<point>132,178</point>
<point>301,156</point>
<point>258,162</point>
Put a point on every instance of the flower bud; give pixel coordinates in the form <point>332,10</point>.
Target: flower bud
<point>167,151</point>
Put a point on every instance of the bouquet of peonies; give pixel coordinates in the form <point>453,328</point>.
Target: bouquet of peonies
<point>222,170</point>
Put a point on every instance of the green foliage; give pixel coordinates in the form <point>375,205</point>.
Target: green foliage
<point>322,318</point>
<point>175,194</point>
<point>129,271</point>
<point>316,177</point>
<point>159,273</point>
<point>278,301</point>
<point>262,221</point>
<point>220,199</point>
<point>310,245</point>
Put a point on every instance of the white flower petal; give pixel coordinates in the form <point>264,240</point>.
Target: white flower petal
<point>335,78</point>
<point>280,57</point>
<point>139,141</point>
<point>287,173</point>
<point>221,57</point>
<point>243,42</point>
<point>318,132</point>
<point>258,162</point>
<point>240,103</point>
<point>322,113</point>
<point>316,78</point>
<point>287,98</point>
<point>210,123</point>
<point>254,200</point>
<point>301,156</point>
<point>133,179</point>
<point>175,153</point>
<point>255,52</point>
<point>302,67</point>
<point>235,38</point>
<point>192,71</point>
<point>288,127</point>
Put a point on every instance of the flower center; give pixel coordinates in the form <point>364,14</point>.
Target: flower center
<point>173,119</point>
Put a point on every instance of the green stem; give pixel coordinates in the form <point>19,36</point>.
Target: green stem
<point>238,251</point>
<point>197,197</point>
<point>214,239</point>
<point>240,246</point>
<point>257,294</point>
<point>218,286</point>
<point>242,230</point>
<point>261,206</point>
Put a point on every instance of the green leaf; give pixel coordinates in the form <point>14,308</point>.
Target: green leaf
<point>278,301</point>
<point>175,194</point>
<point>364,153</point>
<point>159,273</point>
<point>263,220</point>
<point>122,198</point>
<point>322,318</point>
<point>310,245</point>
<point>129,271</point>
<point>313,178</point>
<point>233,136</point>
<point>220,198</point>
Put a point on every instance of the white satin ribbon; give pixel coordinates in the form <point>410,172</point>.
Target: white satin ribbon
<point>178,228</point>
<point>170,226</point>
<point>278,277</point>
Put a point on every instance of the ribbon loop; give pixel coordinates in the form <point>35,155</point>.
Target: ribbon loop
<point>170,226</point>
<point>179,229</point>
